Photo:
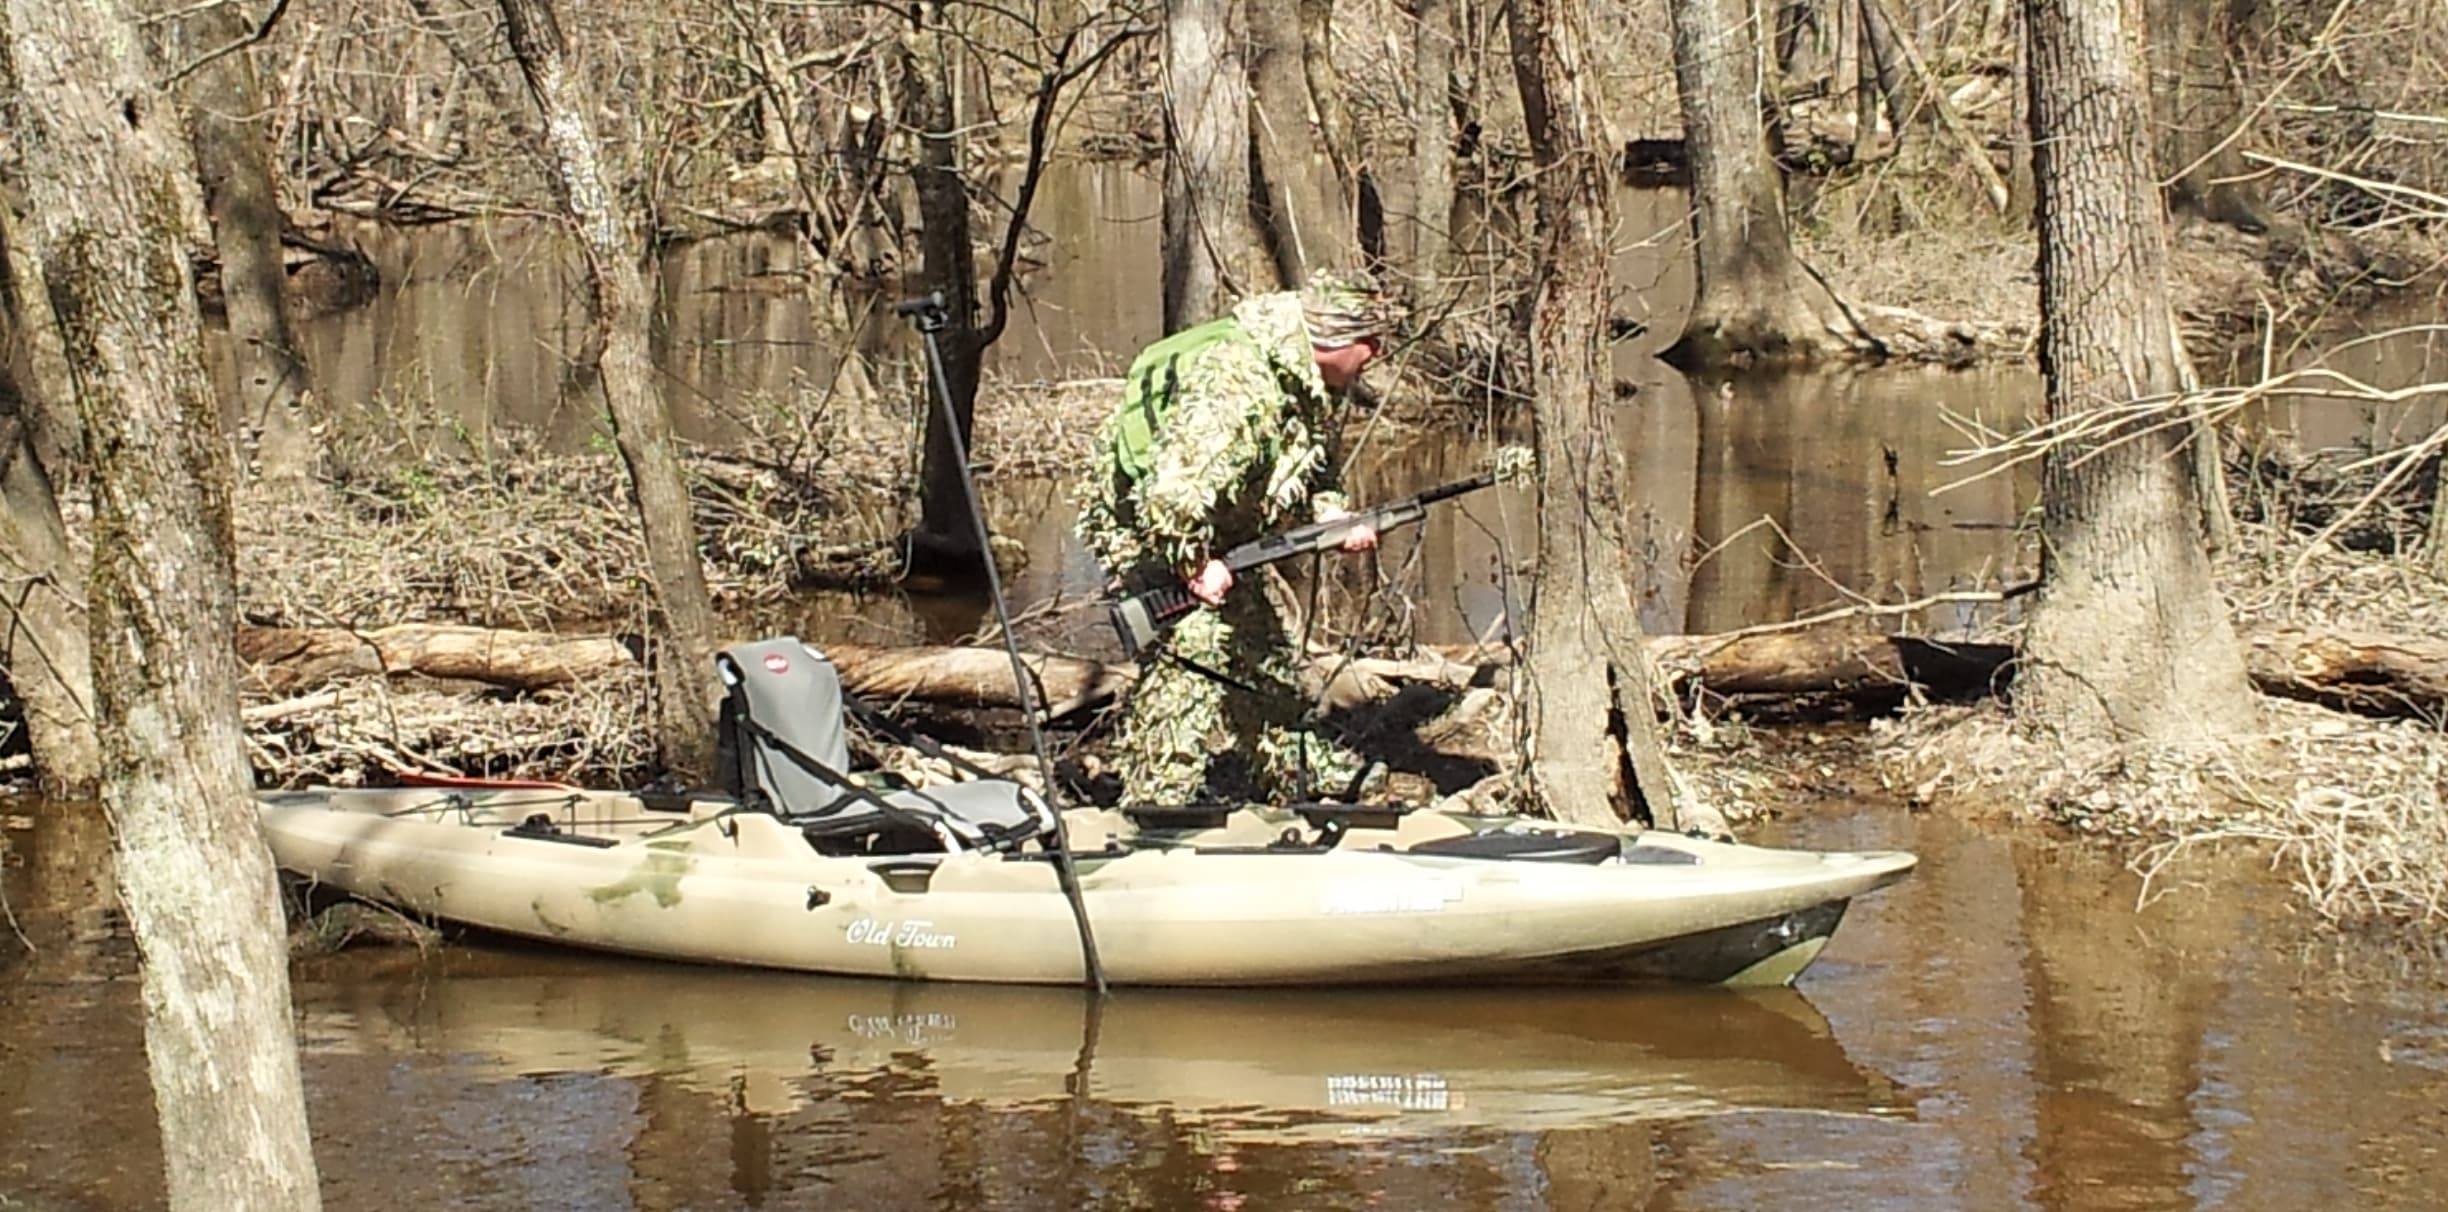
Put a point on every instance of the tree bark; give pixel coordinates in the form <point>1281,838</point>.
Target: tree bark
<point>616,266</point>
<point>950,266</point>
<point>99,154</point>
<point>1432,140</point>
<point>1317,18</point>
<point>277,403</point>
<point>1212,251</point>
<point>2438,541</point>
<point>46,394</point>
<point>1590,707</point>
<point>2128,638</point>
<point>1753,302</point>
<point>49,663</point>
<point>1306,224</point>
<point>1884,58</point>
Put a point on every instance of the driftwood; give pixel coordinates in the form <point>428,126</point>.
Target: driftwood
<point>2356,671</point>
<point>288,660</point>
<point>2373,674</point>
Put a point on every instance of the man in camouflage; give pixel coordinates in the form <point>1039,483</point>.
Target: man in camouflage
<point>1222,437</point>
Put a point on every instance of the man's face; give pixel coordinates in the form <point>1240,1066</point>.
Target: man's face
<point>1341,366</point>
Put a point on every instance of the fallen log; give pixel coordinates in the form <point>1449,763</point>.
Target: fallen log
<point>2368,673</point>
<point>2372,674</point>
<point>289,660</point>
<point>977,677</point>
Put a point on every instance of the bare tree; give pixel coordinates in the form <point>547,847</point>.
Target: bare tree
<point>226,124</point>
<point>42,604</point>
<point>1326,99</point>
<point>2128,638</point>
<point>617,269</point>
<point>944,535</point>
<point>1592,711</point>
<point>2438,542</point>
<point>1432,138</point>
<point>100,161</point>
<point>1754,301</point>
<point>928,55</point>
<point>30,346</point>
<point>42,600</point>
<point>1212,251</point>
<point>2196,106</point>
<point>1307,221</point>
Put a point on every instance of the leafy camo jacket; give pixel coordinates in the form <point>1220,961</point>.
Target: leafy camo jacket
<point>1243,451</point>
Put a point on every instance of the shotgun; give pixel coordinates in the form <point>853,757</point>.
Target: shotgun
<point>1141,617</point>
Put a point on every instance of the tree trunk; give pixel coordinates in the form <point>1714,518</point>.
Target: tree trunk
<point>1753,301</point>
<point>1883,56</point>
<point>277,404</point>
<point>99,153</point>
<point>1932,90</point>
<point>1432,141</point>
<point>46,394</point>
<point>1590,707</point>
<point>2195,106</point>
<point>2438,543</point>
<point>950,266</point>
<point>2128,638</point>
<point>1212,251</point>
<point>1317,19</point>
<point>613,256</point>
<point>1306,224</point>
<point>49,664</point>
<point>1860,65</point>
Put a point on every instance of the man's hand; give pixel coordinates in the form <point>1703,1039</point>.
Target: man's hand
<point>1212,581</point>
<point>1361,538</point>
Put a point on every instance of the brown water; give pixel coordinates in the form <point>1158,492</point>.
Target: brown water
<point>2002,1031</point>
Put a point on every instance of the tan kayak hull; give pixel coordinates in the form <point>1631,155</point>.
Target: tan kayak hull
<point>746,889</point>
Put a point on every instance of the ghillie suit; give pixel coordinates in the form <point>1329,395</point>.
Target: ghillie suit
<point>1221,437</point>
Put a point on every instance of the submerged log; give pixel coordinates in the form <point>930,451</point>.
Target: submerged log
<point>2362,672</point>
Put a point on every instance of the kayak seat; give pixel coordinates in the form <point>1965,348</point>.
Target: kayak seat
<point>783,745</point>
<point>1535,846</point>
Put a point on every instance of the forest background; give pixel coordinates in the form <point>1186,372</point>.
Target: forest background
<point>1839,157</point>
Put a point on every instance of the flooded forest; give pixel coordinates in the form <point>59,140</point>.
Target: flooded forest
<point>2005,431</point>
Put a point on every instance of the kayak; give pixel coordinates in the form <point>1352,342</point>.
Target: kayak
<point>1258,897</point>
<point>795,864</point>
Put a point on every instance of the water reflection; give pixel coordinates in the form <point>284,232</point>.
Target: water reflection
<point>478,323</point>
<point>1244,1067</point>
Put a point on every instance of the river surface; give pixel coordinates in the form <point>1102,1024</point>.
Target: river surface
<point>2001,1031</point>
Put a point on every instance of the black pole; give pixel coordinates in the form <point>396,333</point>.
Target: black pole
<point>929,316</point>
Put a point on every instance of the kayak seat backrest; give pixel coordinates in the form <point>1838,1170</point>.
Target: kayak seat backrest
<point>780,693</point>
<point>782,740</point>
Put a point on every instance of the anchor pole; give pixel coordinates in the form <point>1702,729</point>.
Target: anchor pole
<point>929,316</point>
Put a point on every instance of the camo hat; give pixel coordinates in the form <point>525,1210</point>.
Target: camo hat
<point>1346,309</point>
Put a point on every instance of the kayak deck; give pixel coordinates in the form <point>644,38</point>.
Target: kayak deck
<point>1228,896</point>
